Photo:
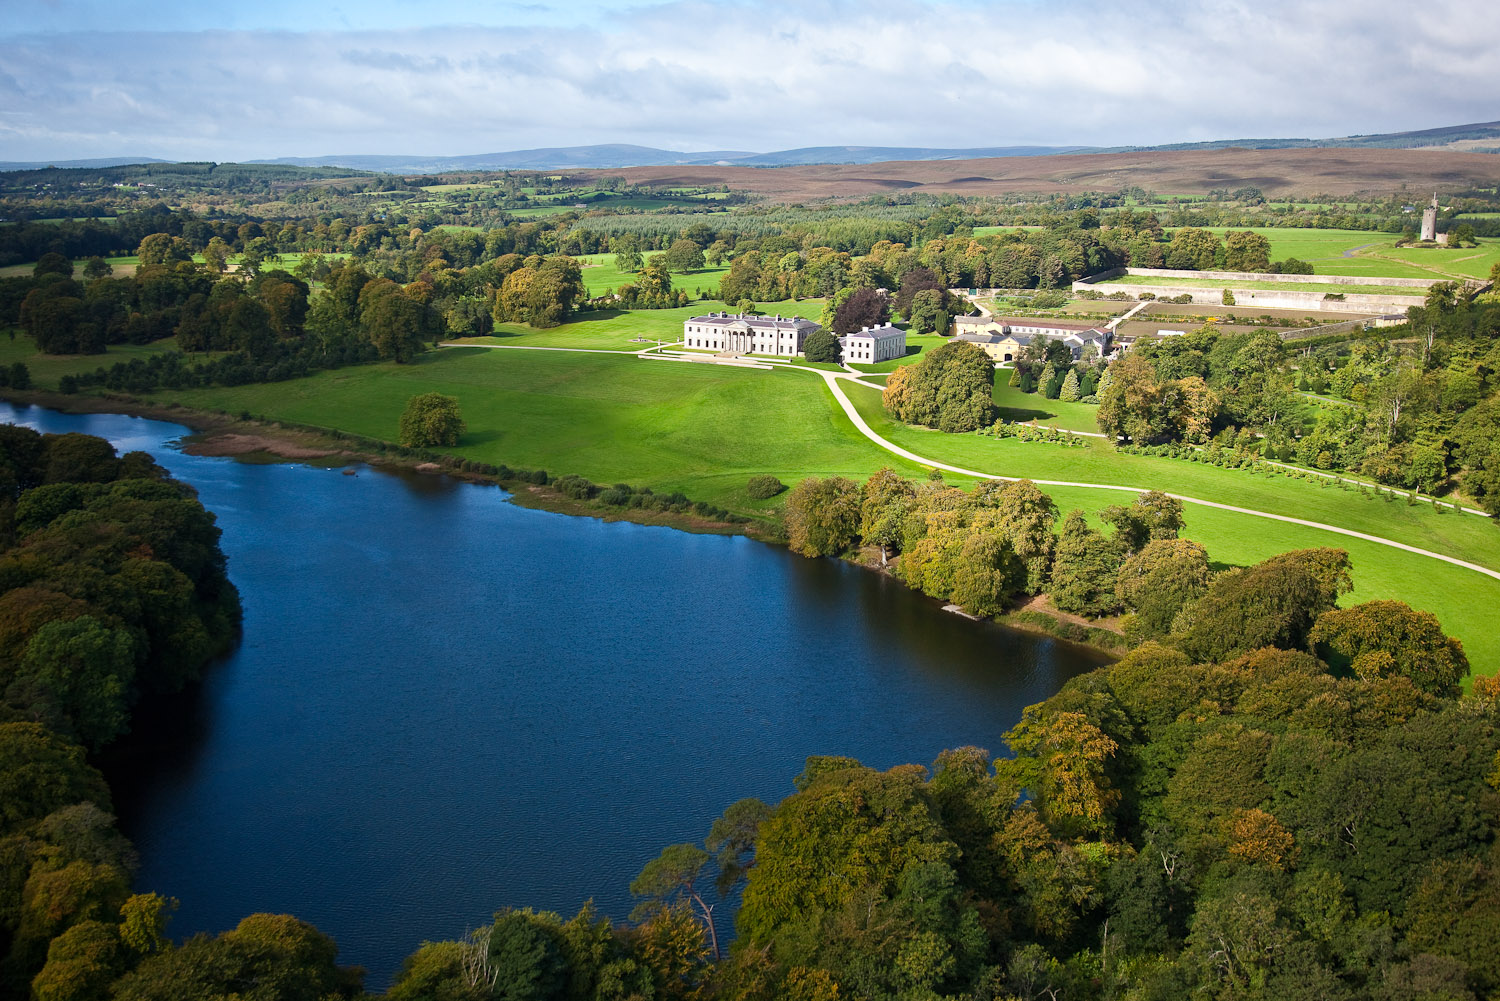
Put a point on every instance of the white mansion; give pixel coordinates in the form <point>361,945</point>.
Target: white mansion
<point>736,334</point>
<point>873,345</point>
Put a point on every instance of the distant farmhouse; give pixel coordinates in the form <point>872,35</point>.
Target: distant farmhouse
<point>732,333</point>
<point>1003,341</point>
<point>873,345</point>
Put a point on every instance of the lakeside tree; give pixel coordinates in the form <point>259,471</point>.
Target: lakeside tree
<point>822,516</point>
<point>1382,639</point>
<point>431,420</point>
<point>1085,569</point>
<point>1158,582</point>
<point>885,501</point>
<point>1273,603</point>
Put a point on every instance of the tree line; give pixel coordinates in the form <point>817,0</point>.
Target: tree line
<point>1421,407</point>
<point>112,589</point>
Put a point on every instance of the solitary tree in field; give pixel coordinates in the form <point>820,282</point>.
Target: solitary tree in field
<point>684,255</point>
<point>431,419</point>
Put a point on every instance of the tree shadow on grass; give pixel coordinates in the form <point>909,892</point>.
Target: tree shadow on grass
<point>1022,414</point>
<point>472,438</point>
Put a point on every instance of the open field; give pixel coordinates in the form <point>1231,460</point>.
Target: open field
<point>1279,173</point>
<point>46,370</point>
<point>1361,253</point>
<point>1018,406</point>
<point>600,273</point>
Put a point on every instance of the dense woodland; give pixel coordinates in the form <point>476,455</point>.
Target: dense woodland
<point>112,589</point>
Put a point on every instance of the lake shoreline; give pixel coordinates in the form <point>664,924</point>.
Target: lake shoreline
<point>256,441</point>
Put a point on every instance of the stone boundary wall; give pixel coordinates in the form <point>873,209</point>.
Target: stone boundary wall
<point>1261,276</point>
<point>1272,299</point>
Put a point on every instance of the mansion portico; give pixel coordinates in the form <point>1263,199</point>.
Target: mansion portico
<point>742,335</point>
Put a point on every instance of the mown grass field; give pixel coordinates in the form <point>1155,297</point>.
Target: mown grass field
<point>600,273</point>
<point>1018,406</point>
<point>46,370</point>
<point>1362,253</point>
<point>621,329</point>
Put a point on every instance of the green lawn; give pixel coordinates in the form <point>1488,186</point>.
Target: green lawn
<point>46,370</point>
<point>1373,254</point>
<point>1018,406</point>
<point>600,273</point>
<point>618,329</point>
<point>918,346</point>
<point>701,429</point>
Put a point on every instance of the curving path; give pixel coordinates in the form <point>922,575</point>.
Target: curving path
<point>853,414</point>
<point>833,379</point>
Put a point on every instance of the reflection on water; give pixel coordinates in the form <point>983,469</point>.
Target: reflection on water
<point>445,704</point>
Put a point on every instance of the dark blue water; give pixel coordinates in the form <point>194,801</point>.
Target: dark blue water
<point>445,704</point>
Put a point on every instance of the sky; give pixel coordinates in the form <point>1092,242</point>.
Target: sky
<point>270,78</point>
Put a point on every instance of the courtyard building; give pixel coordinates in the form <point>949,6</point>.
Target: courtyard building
<point>1003,341</point>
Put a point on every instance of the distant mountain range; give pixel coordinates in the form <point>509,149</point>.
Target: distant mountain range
<point>1479,137</point>
<point>108,161</point>
<point>620,155</point>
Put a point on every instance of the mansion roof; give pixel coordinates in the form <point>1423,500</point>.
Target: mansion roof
<point>777,322</point>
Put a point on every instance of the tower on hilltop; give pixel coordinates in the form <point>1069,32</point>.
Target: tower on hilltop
<point>1429,220</point>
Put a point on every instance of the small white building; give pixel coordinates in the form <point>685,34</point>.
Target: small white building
<point>873,345</point>
<point>743,335</point>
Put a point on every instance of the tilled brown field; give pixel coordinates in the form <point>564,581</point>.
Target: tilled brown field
<point>1277,172</point>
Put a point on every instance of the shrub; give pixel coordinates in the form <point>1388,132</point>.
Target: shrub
<point>764,486</point>
<point>575,487</point>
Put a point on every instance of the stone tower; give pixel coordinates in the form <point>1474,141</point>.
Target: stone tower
<point>1429,220</point>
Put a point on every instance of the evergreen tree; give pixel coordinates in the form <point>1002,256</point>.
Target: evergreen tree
<point>1070,390</point>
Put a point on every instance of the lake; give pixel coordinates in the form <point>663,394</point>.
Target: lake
<point>445,704</point>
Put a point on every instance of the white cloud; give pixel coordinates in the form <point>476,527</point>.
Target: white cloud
<point>702,75</point>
